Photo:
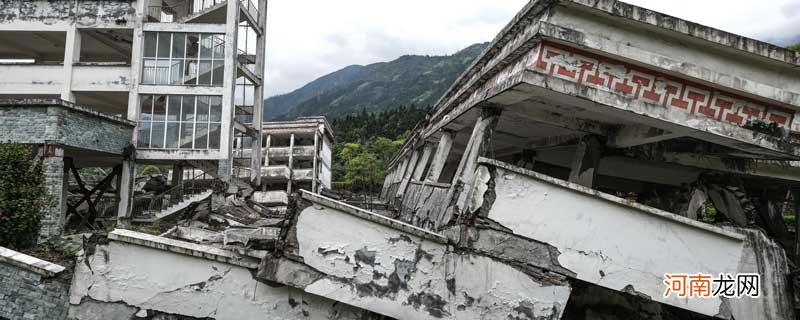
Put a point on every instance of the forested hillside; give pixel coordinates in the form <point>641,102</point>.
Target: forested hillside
<point>408,80</point>
<point>365,144</point>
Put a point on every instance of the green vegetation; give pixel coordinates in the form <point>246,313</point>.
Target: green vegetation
<point>795,47</point>
<point>366,143</point>
<point>407,80</point>
<point>22,196</point>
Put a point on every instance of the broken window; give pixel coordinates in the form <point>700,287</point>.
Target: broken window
<point>180,122</point>
<point>175,58</point>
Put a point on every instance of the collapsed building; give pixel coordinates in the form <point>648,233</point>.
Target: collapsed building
<point>594,148</point>
<point>295,155</point>
<point>116,84</point>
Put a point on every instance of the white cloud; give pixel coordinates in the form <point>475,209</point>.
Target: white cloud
<point>307,39</point>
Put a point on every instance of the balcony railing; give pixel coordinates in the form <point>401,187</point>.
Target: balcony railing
<point>251,8</point>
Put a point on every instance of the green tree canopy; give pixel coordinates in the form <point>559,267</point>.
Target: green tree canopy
<point>795,47</point>
<point>22,196</point>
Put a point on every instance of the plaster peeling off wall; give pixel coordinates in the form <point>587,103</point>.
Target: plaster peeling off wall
<point>584,226</point>
<point>119,280</point>
<point>401,275</point>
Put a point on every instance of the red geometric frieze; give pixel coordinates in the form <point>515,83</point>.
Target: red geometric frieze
<point>655,87</point>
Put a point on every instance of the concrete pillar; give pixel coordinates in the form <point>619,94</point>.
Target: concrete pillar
<point>258,102</point>
<point>585,162</point>
<point>427,149</point>
<point>56,182</point>
<point>291,164</point>
<point>127,178</point>
<point>315,174</point>
<point>72,51</point>
<point>440,157</point>
<point>479,145</point>
<point>412,163</point>
<point>177,179</point>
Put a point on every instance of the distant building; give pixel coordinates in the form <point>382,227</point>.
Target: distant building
<point>119,83</point>
<point>296,155</point>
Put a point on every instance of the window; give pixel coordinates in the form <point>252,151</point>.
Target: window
<point>180,122</point>
<point>175,58</point>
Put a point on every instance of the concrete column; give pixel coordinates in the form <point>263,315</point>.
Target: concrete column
<point>412,163</point>
<point>177,179</point>
<point>291,164</point>
<point>266,150</point>
<point>315,174</point>
<point>423,161</point>
<point>479,145</point>
<point>228,86</point>
<point>127,179</point>
<point>56,182</point>
<point>585,162</point>
<point>72,51</point>
<point>258,102</point>
<point>440,157</point>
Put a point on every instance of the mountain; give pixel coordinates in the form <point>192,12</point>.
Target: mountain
<point>408,80</point>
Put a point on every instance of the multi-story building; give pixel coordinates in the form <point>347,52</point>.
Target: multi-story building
<point>296,155</point>
<point>119,83</point>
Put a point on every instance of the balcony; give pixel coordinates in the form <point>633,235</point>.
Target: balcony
<point>298,153</point>
<point>275,173</point>
<point>271,198</point>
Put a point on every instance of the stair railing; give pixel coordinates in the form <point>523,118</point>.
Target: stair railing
<point>198,184</point>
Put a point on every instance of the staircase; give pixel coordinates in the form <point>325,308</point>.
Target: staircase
<point>177,198</point>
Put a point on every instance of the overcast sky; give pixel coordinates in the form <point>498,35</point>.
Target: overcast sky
<point>307,39</point>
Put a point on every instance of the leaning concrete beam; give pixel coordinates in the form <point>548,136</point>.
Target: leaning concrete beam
<point>583,225</point>
<point>382,265</point>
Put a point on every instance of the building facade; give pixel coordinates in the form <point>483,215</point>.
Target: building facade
<point>183,77</point>
<point>296,155</point>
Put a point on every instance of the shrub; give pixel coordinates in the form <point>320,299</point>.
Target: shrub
<point>22,196</point>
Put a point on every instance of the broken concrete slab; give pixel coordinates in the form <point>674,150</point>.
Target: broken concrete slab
<point>122,278</point>
<point>245,235</point>
<point>370,261</point>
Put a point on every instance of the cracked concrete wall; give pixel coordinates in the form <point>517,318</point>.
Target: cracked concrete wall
<point>678,53</point>
<point>400,274</point>
<point>584,226</point>
<point>84,13</point>
<point>122,281</point>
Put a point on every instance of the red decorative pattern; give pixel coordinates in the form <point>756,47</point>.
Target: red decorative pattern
<point>654,87</point>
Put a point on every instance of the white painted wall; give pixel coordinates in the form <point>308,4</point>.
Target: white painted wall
<point>151,279</point>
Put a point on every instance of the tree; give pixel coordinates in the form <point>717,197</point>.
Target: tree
<point>795,47</point>
<point>22,196</point>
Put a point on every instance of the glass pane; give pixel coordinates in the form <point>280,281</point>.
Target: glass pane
<point>249,95</point>
<point>172,134</point>
<point>238,95</point>
<point>161,72</point>
<point>191,45</point>
<point>157,141</point>
<point>178,45</point>
<point>163,45</point>
<point>143,138</point>
<point>213,137</point>
<point>149,44</point>
<point>149,71</point>
<point>219,46</point>
<point>205,73</point>
<point>206,44</point>
<point>202,109</point>
<point>218,73</point>
<point>187,112</point>
<point>190,72</point>
<point>146,111</point>
<point>187,128</point>
<point>176,72</point>
<point>215,104</point>
<point>174,108</point>
<point>201,136</point>
<point>159,108</point>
